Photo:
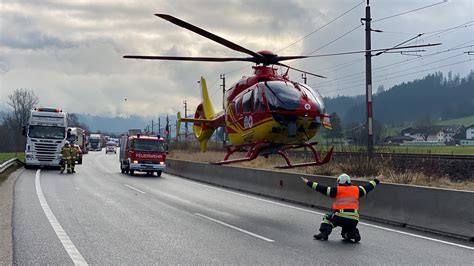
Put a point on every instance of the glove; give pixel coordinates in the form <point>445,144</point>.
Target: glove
<point>376,181</point>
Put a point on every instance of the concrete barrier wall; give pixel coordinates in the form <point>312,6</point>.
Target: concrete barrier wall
<point>440,210</point>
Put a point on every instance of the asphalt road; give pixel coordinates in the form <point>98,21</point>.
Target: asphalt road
<point>100,216</point>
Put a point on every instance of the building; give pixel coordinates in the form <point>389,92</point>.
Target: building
<point>470,132</point>
<point>443,134</point>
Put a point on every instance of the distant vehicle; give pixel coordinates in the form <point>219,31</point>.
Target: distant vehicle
<point>142,154</point>
<point>79,156</point>
<point>45,136</point>
<point>111,146</point>
<point>134,132</point>
<point>78,136</point>
<point>95,142</point>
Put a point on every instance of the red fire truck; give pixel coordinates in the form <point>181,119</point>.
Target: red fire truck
<point>142,154</point>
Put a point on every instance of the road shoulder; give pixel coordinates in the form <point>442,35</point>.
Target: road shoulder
<point>6,212</point>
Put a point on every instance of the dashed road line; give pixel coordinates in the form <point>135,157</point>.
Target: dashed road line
<point>70,248</point>
<point>320,213</point>
<point>134,188</point>
<point>235,228</point>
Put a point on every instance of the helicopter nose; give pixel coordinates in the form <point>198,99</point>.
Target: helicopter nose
<point>310,109</point>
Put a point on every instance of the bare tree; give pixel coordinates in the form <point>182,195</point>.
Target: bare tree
<point>22,101</point>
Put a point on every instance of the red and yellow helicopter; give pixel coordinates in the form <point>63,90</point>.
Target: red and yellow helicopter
<point>266,113</point>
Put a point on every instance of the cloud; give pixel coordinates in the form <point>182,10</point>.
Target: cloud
<point>70,52</point>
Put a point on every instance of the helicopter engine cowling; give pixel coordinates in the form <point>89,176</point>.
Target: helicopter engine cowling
<point>202,131</point>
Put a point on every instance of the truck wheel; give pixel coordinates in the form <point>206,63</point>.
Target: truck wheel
<point>132,172</point>
<point>158,173</point>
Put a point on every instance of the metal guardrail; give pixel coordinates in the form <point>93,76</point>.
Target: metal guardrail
<point>4,166</point>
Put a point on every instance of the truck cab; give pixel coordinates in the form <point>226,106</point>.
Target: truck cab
<point>142,154</point>
<point>95,142</point>
<point>45,136</point>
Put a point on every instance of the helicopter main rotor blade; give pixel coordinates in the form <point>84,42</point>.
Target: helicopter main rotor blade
<point>283,58</point>
<point>299,70</point>
<point>376,50</point>
<point>189,58</point>
<point>209,35</point>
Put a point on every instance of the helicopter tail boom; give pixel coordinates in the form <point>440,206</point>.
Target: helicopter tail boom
<point>205,119</point>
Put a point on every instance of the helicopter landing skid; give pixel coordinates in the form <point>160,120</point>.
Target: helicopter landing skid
<point>317,157</point>
<point>251,154</point>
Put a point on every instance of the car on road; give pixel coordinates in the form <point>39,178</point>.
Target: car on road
<point>111,147</point>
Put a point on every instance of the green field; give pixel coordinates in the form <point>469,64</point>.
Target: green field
<point>395,130</point>
<point>465,121</point>
<point>451,150</point>
<point>5,156</point>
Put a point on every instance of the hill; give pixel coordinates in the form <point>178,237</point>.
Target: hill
<point>120,125</point>
<point>434,97</point>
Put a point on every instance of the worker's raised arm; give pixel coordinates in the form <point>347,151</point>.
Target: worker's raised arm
<point>328,191</point>
<point>364,190</point>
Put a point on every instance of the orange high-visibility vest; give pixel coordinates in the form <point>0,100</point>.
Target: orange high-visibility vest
<point>347,197</point>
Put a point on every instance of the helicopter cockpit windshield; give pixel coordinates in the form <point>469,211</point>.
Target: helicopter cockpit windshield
<point>315,96</point>
<point>282,96</point>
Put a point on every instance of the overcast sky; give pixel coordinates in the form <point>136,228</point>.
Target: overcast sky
<point>70,52</point>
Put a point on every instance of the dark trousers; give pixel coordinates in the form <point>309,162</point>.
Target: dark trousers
<point>349,226</point>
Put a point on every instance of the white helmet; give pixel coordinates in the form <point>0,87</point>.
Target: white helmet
<point>344,179</point>
<point>66,142</point>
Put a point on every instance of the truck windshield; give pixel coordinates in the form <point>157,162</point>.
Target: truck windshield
<point>148,145</point>
<point>94,140</point>
<point>46,132</point>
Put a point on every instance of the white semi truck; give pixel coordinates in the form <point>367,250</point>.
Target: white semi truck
<point>95,142</point>
<point>45,136</point>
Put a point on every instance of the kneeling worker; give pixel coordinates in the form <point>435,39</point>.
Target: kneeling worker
<point>345,208</point>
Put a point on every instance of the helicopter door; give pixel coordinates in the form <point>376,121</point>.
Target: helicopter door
<point>258,101</point>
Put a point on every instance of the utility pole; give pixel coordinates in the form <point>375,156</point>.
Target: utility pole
<point>368,80</point>
<point>152,126</point>
<point>303,76</point>
<point>167,129</point>
<point>222,76</point>
<point>185,123</point>
<point>159,126</point>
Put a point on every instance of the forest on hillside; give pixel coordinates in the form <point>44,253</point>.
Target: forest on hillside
<point>435,97</point>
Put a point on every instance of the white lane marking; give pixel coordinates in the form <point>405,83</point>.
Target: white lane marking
<point>70,248</point>
<point>134,188</point>
<point>315,212</point>
<point>418,236</point>
<point>235,228</point>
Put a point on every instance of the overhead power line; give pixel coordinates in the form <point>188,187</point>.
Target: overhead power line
<point>438,32</point>
<point>413,73</point>
<point>307,35</point>
<point>409,11</point>
<point>322,27</point>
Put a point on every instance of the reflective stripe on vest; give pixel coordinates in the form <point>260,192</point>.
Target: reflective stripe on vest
<point>347,197</point>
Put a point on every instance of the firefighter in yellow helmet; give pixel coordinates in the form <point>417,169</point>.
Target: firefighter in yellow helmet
<point>74,155</point>
<point>65,157</point>
<point>345,207</point>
